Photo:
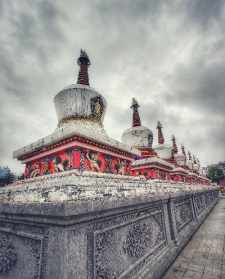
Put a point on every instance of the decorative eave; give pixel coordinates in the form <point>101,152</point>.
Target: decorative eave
<point>193,174</point>
<point>44,145</point>
<point>204,178</point>
<point>150,150</point>
<point>180,170</point>
<point>152,162</point>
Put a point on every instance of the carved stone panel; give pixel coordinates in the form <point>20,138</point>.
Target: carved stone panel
<point>20,255</point>
<point>208,198</point>
<point>183,214</point>
<point>118,248</point>
<point>8,255</point>
<point>200,203</point>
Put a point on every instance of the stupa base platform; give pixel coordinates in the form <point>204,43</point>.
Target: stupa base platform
<point>92,226</point>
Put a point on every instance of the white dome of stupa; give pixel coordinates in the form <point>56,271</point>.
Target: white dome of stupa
<point>180,159</point>
<point>164,151</point>
<point>77,102</point>
<point>196,165</point>
<point>139,136</point>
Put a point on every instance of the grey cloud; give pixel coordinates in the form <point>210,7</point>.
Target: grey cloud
<point>136,51</point>
<point>204,12</point>
<point>200,86</point>
<point>39,32</point>
<point>129,10</point>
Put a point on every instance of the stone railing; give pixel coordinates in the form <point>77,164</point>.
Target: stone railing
<point>64,233</point>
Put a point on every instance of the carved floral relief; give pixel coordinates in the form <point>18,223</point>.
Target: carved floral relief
<point>8,255</point>
<point>183,214</point>
<point>117,248</point>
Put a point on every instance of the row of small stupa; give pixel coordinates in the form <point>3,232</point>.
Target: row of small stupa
<point>81,142</point>
<point>141,137</point>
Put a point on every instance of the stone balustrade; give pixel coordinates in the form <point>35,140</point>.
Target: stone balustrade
<point>89,227</point>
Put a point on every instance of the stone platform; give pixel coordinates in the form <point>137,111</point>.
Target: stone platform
<point>97,227</point>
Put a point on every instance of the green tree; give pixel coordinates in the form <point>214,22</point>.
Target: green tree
<point>215,173</point>
<point>6,176</point>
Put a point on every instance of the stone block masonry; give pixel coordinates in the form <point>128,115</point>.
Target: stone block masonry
<point>97,237</point>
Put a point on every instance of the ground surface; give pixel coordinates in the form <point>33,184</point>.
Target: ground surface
<point>204,255</point>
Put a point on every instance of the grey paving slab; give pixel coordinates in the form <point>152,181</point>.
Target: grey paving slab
<point>204,255</point>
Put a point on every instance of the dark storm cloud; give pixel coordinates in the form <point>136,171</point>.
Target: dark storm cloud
<point>37,30</point>
<point>128,10</point>
<point>205,12</point>
<point>30,36</point>
<point>200,86</point>
<point>167,54</point>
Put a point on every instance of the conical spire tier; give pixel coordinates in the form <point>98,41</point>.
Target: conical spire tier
<point>183,150</point>
<point>136,117</point>
<point>84,62</point>
<point>175,150</point>
<point>161,139</point>
<point>184,153</point>
<point>189,155</point>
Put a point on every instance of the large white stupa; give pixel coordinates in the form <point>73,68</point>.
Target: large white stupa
<point>80,111</point>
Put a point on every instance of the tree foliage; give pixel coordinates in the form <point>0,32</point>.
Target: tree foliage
<point>215,173</point>
<point>6,176</point>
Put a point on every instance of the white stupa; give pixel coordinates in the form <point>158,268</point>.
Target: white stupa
<point>180,157</point>
<point>80,111</point>
<point>189,161</point>
<point>195,164</point>
<point>79,107</point>
<point>137,136</point>
<point>163,150</point>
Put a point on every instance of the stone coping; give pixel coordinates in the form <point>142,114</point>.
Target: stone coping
<point>152,160</point>
<point>79,209</point>
<point>74,194</point>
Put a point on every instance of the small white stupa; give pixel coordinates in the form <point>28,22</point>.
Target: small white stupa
<point>180,157</point>
<point>137,136</point>
<point>190,161</point>
<point>163,150</point>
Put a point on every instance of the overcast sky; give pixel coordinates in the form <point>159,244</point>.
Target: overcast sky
<point>169,55</point>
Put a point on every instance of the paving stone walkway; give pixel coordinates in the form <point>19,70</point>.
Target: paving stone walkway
<point>204,255</point>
